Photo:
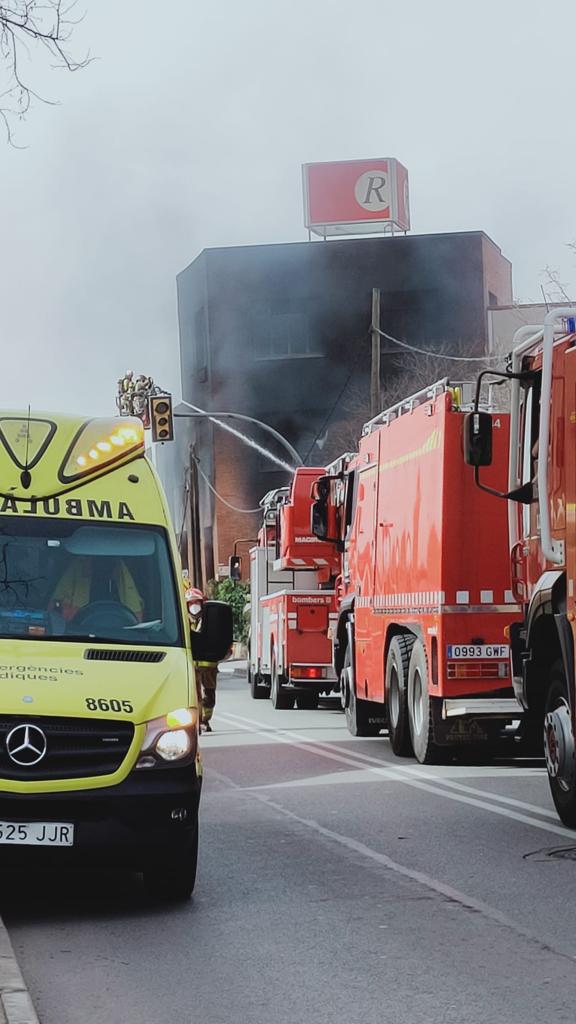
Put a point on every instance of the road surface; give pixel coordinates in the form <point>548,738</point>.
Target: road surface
<point>336,883</point>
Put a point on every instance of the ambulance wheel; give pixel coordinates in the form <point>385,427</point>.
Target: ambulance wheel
<point>363,718</point>
<point>559,746</point>
<point>282,700</point>
<point>420,708</point>
<point>258,691</point>
<point>174,880</point>
<point>397,664</point>
<point>308,701</point>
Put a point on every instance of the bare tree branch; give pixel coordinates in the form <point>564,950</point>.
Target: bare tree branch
<point>46,24</point>
<point>402,375</point>
<point>556,291</point>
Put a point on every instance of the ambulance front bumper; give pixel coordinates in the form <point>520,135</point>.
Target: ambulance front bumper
<point>150,818</point>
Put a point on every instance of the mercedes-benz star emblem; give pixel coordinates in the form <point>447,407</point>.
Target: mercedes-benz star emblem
<point>26,745</point>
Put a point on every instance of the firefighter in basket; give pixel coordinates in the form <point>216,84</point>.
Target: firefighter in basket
<point>206,671</point>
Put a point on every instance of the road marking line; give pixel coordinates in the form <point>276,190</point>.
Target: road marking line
<point>447,891</point>
<point>301,742</point>
<point>418,772</point>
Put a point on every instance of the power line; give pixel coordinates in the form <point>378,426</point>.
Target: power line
<point>439,355</point>
<point>336,400</point>
<point>246,511</point>
<point>410,348</point>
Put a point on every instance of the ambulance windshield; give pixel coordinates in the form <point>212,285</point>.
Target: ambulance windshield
<point>61,580</point>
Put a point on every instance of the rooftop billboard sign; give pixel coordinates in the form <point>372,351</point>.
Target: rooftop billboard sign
<point>356,197</point>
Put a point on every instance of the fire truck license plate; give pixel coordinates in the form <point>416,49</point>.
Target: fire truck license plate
<point>484,651</point>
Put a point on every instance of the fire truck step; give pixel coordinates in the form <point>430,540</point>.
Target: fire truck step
<point>479,707</point>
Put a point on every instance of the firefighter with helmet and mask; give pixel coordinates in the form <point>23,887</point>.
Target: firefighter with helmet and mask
<point>206,671</point>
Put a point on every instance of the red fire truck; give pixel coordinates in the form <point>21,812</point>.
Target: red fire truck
<point>292,600</point>
<point>425,591</point>
<point>542,533</point>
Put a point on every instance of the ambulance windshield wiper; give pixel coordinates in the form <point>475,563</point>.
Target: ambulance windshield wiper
<point>153,624</point>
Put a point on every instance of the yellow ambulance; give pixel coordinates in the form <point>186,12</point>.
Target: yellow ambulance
<point>99,757</point>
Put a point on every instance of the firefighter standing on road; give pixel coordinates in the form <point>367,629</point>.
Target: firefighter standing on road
<point>206,671</point>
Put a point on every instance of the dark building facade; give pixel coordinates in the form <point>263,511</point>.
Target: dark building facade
<point>281,332</point>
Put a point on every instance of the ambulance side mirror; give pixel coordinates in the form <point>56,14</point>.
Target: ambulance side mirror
<point>214,638</point>
<point>477,439</point>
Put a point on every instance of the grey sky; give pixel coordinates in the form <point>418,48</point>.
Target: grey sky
<point>190,129</point>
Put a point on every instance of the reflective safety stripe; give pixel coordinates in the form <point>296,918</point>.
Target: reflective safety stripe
<point>434,602</point>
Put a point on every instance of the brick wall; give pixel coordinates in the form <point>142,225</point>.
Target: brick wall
<point>234,474</point>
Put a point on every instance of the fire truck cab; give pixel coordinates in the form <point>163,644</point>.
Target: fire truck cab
<point>292,605</point>
<point>542,534</point>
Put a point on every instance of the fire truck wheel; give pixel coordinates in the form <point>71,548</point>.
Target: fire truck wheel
<point>397,664</point>
<point>363,718</point>
<point>258,689</point>
<point>420,708</point>
<point>308,701</point>
<point>282,699</point>
<point>559,746</point>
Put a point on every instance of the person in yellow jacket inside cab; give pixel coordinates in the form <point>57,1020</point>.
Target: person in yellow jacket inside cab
<point>206,671</point>
<point>79,586</point>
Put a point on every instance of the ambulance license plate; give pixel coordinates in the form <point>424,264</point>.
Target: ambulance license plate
<point>459,652</point>
<point>36,833</point>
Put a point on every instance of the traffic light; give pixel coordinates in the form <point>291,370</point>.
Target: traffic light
<point>235,567</point>
<point>161,418</point>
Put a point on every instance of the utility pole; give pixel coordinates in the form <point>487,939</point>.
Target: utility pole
<point>194,541</point>
<point>375,402</point>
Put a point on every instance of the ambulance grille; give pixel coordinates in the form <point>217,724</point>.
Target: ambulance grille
<point>98,654</point>
<point>76,748</point>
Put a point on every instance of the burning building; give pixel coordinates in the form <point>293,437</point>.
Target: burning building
<point>281,333</point>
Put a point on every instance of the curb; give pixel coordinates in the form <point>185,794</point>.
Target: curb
<point>232,668</point>
<point>16,1005</point>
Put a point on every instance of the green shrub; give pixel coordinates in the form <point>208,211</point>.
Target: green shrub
<point>236,595</point>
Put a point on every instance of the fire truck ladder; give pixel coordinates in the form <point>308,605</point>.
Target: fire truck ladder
<point>271,502</point>
<point>462,392</point>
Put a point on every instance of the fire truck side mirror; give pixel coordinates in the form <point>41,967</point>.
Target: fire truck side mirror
<point>319,522</point>
<point>477,439</point>
<point>235,567</point>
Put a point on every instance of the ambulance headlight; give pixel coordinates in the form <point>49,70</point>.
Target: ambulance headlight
<point>174,745</point>
<point>170,739</point>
